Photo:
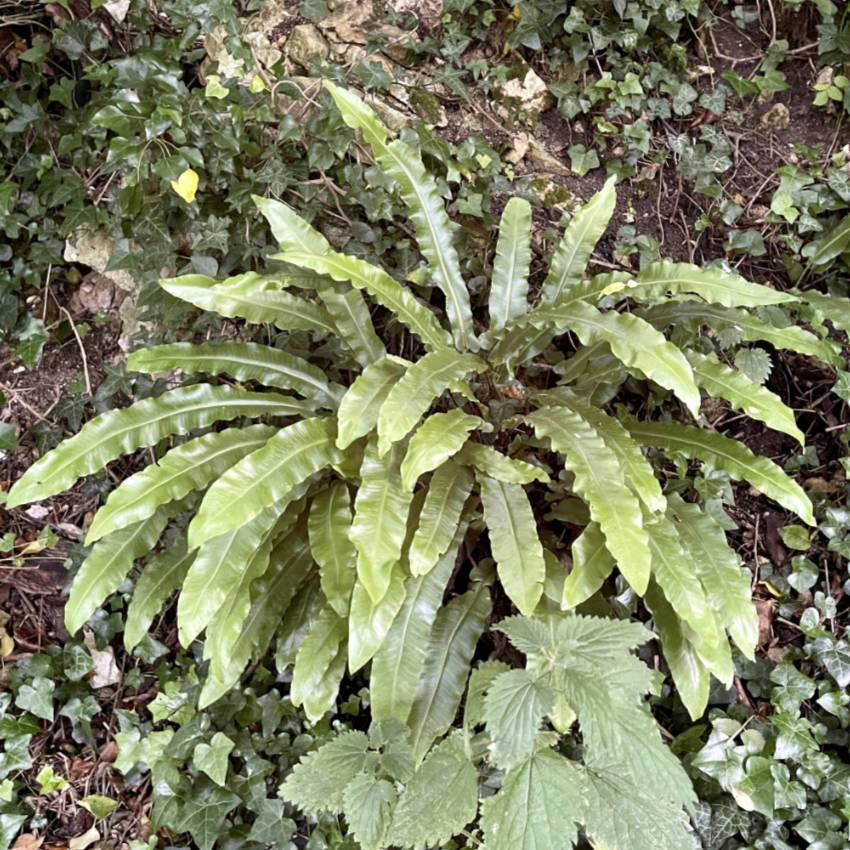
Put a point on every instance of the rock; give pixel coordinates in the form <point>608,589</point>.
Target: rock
<point>429,13</point>
<point>524,90</point>
<point>306,44</point>
<point>348,21</point>
<point>777,117</point>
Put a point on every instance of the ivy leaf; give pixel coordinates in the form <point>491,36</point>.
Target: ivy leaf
<point>835,656</point>
<point>31,339</point>
<point>204,812</point>
<point>37,698</point>
<point>368,803</point>
<point>212,758</point>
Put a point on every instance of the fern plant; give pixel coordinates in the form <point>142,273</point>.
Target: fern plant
<point>337,517</point>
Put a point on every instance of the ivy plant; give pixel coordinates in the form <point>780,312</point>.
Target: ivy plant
<point>468,471</point>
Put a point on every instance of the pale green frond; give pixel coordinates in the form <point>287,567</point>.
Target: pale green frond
<point>580,238</point>
<point>521,341</point>
<point>509,284</point>
<point>727,455</point>
<point>245,361</point>
<point>832,243</point>
<point>360,406</point>
<point>600,483</point>
<point>190,466</point>
<point>384,288</point>
<point>435,441</point>
<point>264,477</point>
<point>439,800</point>
<point>509,470</point>
<point>350,315</point>
<point>218,567</point>
<point>369,622</point>
<point>254,297</point>
<point>439,518</point>
<point>379,526</point>
<point>752,329</point>
<point>108,564</point>
<point>592,564</point>
<point>329,525</point>
<point>425,380</point>
<point>398,664</point>
<point>758,402</point>
<point>162,575</point>
<point>836,308</point>
<point>479,683</point>
<point>539,806</point>
<point>319,664</point>
<point>145,423</point>
<point>714,285</point>
<point>418,189</point>
<point>291,232</point>
<point>514,541</point>
<point>457,628</point>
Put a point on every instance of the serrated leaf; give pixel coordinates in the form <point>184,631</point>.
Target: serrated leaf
<point>369,622</point>
<point>245,361</point>
<point>435,441</point>
<point>360,406</point>
<point>417,389</point>
<point>755,363</point>
<point>514,541</point>
<point>492,463</point>
<point>513,709</point>
<point>457,628</point>
<point>434,231</point>
<point>509,284</point>
<point>368,805</point>
<point>350,315</point>
<point>600,483</point>
<point>329,525</point>
<point>190,466</point>
<point>263,478</point>
<point>255,297</point>
<point>448,491</point>
<point>379,527</point>
<point>479,683</point>
<point>727,455</point>
<point>582,233</point>
<point>398,663</point>
<point>539,805</point>
<point>440,799</point>
<point>757,402</point>
<point>107,566</point>
<point>592,564</point>
<point>385,289</point>
<point>146,422</point>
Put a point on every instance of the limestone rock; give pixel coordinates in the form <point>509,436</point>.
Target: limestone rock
<point>524,90</point>
<point>306,44</point>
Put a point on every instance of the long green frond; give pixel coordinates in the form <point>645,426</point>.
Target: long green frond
<point>509,285</point>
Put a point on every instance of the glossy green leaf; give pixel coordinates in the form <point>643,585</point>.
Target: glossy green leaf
<point>263,478</point>
<point>509,285</point>
<point>333,551</point>
<point>369,622</point>
<point>514,541</point>
<point>204,813</point>
<point>457,628</point>
<point>582,233</point>
<point>359,408</point>
<point>592,564</point>
<point>212,758</point>
<point>492,463</point>
<point>600,483</point>
<point>834,307</point>
<point>417,390</point>
<point>190,466</point>
<point>107,566</point>
<point>439,518</point>
<point>832,243</point>
<point>379,526</point>
<point>145,423</point>
<point>254,297</point>
<point>435,441</point>
<point>288,228</point>
<point>727,455</point>
<point>245,361</point>
<point>350,315</point>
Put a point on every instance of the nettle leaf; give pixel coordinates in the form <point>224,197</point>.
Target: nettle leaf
<point>245,361</point>
<point>264,477</point>
<point>254,297</point>
<point>439,800</point>
<point>448,490</point>
<point>317,782</point>
<point>509,284</point>
<point>494,464</point>
<point>353,323</point>
<point>368,806</point>
<point>416,390</point>
<point>320,664</point>
<point>592,564</point>
<point>599,481</point>
<point>329,526</point>
<point>107,566</point>
<point>434,231</point>
<point>727,455</point>
<point>435,441</point>
<point>513,709</point>
<point>755,363</point>
<point>369,622</point>
<point>360,406</point>
<point>145,423</point>
<point>540,804</point>
<point>379,527</point>
<point>514,541</point>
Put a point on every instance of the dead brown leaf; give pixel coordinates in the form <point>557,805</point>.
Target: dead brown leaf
<point>766,609</point>
<point>28,841</point>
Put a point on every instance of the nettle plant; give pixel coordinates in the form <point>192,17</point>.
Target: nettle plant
<point>351,519</point>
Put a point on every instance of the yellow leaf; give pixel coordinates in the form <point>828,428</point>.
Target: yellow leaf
<point>33,548</point>
<point>7,645</point>
<point>257,84</point>
<point>186,185</point>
